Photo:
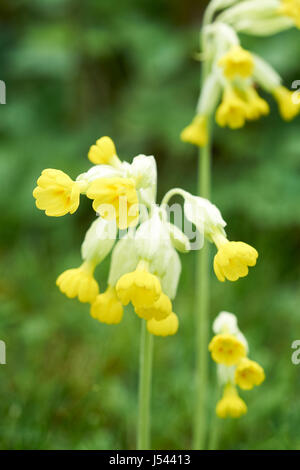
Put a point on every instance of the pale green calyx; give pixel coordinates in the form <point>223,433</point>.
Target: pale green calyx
<point>124,259</point>
<point>99,240</point>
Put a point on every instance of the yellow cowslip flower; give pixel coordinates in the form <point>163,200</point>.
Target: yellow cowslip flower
<point>232,259</point>
<point>166,327</point>
<point>231,405</point>
<point>107,308</point>
<point>233,110</point>
<point>226,349</point>
<point>139,287</point>
<point>115,198</point>
<point>79,282</point>
<point>159,310</point>
<point>104,152</point>
<point>196,132</point>
<point>287,107</point>
<point>248,373</point>
<point>291,8</point>
<point>237,62</point>
<point>257,106</point>
<point>56,193</point>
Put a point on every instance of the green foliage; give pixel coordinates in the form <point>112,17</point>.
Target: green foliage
<point>78,70</point>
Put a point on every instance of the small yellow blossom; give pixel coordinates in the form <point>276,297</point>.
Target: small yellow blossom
<point>257,106</point>
<point>107,308</point>
<point>291,8</point>
<point>233,110</point>
<point>237,62</point>
<point>115,198</point>
<point>79,282</point>
<point>104,152</point>
<point>166,327</point>
<point>226,349</point>
<point>56,193</point>
<point>139,287</point>
<point>288,108</point>
<point>196,132</point>
<point>232,260</point>
<point>248,373</point>
<point>231,405</point>
<point>160,310</point>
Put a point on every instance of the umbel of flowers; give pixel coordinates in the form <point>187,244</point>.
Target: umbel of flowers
<point>229,349</point>
<point>234,74</point>
<point>145,266</point>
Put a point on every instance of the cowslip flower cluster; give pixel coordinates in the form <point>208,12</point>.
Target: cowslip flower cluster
<point>230,89</point>
<point>145,266</point>
<point>229,349</point>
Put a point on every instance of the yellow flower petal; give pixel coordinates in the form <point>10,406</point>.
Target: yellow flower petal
<point>248,374</point>
<point>166,327</point>
<point>237,62</point>
<point>103,152</point>
<point>139,287</point>
<point>107,308</point>
<point>231,405</point>
<point>56,193</point>
<point>115,198</point>
<point>226,349</point>
<point>196,132</point>
<point>79,282</point>
<point>232,260</point>
<point>159,310</point>
<point>288,108</point>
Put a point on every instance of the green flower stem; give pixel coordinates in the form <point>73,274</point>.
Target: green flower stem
<point>202,312</point>
<point>146,350</point>
<point>202,291</point>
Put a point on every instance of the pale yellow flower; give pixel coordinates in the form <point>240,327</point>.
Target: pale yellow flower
<point>226,349</point>
<point>237,62</point>
<point>196,132</point>
<point>107,308</point>
<point>56,193</point>
<point>115,198</point>
<point>248,373</point>
<point>231,405</point>
<point>79,282</point>
<point>166,327</point>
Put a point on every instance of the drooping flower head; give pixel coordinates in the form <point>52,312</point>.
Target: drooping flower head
<point>56,193</point>
<point>233,366</point>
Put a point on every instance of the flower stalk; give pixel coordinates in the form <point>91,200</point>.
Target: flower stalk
<point>145,378</point>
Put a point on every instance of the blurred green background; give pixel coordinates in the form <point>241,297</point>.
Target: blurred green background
<point>76,71</point>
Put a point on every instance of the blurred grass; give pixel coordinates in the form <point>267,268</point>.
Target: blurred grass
<point>78,70</point>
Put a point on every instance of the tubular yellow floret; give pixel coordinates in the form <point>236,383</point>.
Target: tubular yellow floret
<point>227,349</point>
<point>231,405</point>
<point>166,327</point>
<point>237,62</point>
<point>232,259</point>
<point>115,198</point>
<point>288,107</point>
<point>139,287</point>
<point>248,374</point>
<point>257,106</point>
<point>79,282</point>
<point>196,132</point>
<point>159,310</point>
<point>232,111</point>
<point>107,308</point>
<point>291,8</point>
<point>104,152</point>
<point>56,193</point>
